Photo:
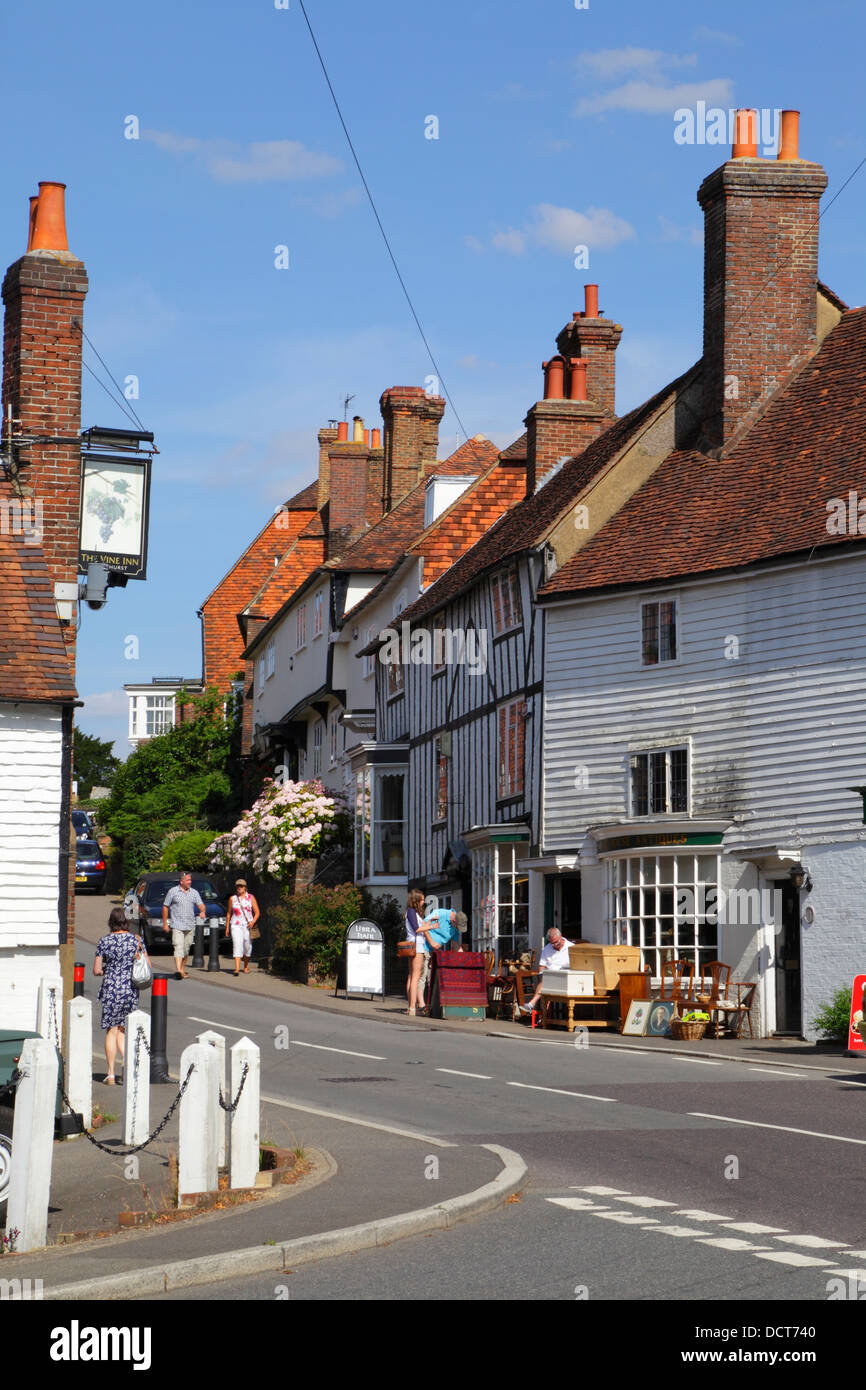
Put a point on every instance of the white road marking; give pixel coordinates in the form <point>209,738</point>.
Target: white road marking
<point>603,1191</point>
<point>793,1257</point>
<point>554,1090</point>
<point>351,1120</point>
<point>731,1243</point>
<point>786,1129</point>
<point>681,1231</point>
<point>576,1203</point>
<point>695,1214</point>
<point>646,1202</point>
<point>774,1071</point>
<point>701,1061</point>
<point>858,1274</point>
<point>213,1023</point>
<point>479,1076</point>
<point>814,1242</point>
<point>754,1228</point>
<point>855,1254</point>
<point>626,1218</point>
<point>320,1047</point>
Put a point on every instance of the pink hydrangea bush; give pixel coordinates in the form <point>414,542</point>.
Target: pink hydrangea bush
<point>289,821</point>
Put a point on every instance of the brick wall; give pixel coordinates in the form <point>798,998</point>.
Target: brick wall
<point>557,429</point>
<point>350,495</point>
<point>597,341</point>
<point>760,281</point>
<point>327,437</point>
<point>44,295</point>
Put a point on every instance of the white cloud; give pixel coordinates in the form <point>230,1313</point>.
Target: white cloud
<point>109,703</point>
<point>474,243</point>
<point>561,229</point>
<point>264,161</point>
<point>331,205</point>
<point>653,98</point>
<point>670,231</point>
<point>705,35</point>
<point>611,63</point>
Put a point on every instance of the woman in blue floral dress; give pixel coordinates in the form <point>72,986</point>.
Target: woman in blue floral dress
<point>115,954</point>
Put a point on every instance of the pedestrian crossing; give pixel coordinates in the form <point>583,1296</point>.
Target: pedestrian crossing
<point>713,1229</point>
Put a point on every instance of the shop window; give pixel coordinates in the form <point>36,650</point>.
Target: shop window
<point>646,897</point>
<point>660,782</point>
<point>500,901</point>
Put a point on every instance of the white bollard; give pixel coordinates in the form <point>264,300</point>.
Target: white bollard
<point>79,1059</point>
<point>218,1042</point>
<point>245,1122</point>
<point>136,1079</point>
<point>32,1145</point>
<point>197,1157</point>
<point>49,1023</point>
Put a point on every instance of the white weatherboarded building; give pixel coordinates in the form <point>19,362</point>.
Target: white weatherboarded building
<point>36,701</point>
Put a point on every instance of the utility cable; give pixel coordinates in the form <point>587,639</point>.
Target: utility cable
<point>123,398</point>
<point>132,421</point>
<point>379,222</point>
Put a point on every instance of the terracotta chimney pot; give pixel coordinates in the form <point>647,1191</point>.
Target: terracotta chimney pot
<point>554,374</point>
<point>357,430</point>
<point>49,232</point>
<point>342,431</point>
<point>591,293</point>
<point>789,142</point>
<point>745,134</point>
<point>577,384</point>
<point>34,203</point>
<point>375,439</point>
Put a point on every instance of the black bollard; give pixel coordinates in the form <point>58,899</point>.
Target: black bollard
<point>158,1024</point>
<point>213,955</point>
<point>198,946</point>
<point>78,980</point>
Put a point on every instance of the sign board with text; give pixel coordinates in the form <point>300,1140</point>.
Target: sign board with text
<point>858,1012</point>
<point>364,955</point>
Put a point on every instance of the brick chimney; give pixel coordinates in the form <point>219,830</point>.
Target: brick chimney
<point>411,443</point>
<point>43,293</point>
<point>760,274</point>
<point>578,395</point>
<point>327,437</point>
<point>595,339</point>
<point>355,469</point>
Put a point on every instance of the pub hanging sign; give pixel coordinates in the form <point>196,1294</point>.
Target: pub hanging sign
<point>115,502</point>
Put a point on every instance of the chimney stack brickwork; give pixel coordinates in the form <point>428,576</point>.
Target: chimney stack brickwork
<point>350,502</point>
<point>557,429</point>
<point>327,437</point>
<point>43,294</point>
<point>411,419</point>
<point>760,283</point>
<point>596,340</point>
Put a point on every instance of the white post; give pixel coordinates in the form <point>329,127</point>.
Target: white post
<point>32,1145</point>
<point>49,1024</point>
<point>246,1119</point>
<point>136,1079</point>
<point>197,1157</point>
<point>218,1042</point>
<point>79,1060</point>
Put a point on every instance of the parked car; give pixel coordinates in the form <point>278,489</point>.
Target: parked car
<point>11,1043</point>
<point>150,892</point>
<point>84,826</point>
<point>89,866</point>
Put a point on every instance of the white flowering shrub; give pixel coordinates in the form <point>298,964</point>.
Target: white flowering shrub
<point>288,822</point>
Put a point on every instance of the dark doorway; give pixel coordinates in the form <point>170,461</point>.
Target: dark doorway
<point>569,906</point>
<point>789,1017</point>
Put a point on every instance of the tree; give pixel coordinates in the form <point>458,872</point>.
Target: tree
<point>93,762</point>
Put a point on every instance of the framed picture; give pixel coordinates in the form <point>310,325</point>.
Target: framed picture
<point>637,1017</point>
<point>659,1020</point>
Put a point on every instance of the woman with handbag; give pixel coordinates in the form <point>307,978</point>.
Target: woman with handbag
<point>241,917</point>
<point>116,954</point>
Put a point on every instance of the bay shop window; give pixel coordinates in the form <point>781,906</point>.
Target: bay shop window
<point>380,822</point>
<point>500,899</point>
<point>665,904</point>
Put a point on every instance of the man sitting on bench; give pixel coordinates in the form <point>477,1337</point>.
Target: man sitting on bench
<point>554,956</point>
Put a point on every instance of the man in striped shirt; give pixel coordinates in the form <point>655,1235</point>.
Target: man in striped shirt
<point>182,901</point>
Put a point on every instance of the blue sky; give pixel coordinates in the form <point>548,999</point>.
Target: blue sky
<point>556,128</point>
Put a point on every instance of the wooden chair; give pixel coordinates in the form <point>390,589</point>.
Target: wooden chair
<point>679,976</point>
<point>713,996</point>
<point>743,1008</point>
<point>489,960</point>
<point>501,994</point>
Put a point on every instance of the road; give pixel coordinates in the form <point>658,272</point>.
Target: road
<point>652,1176</point>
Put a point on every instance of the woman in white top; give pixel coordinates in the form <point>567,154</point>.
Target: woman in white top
<point>241,914</point>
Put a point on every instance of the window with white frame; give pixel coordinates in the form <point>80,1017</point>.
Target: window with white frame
<point>261,671</point>
<point>380,822</point>
<point>158,715</point>
<point>667,905</point>
<point>333,726</point>
<point>659,782</point>
<point>318,604</point>
<point>505,593</point>
<point>318,729</point>
<point>658,632</point>
<point>369,660</point>
<point>301,636</point>
<point>270,663</point>
<point>500,900</point>
<point>510,740</point>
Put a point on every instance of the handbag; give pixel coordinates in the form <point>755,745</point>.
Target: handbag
<point>253,929</point>
<point>142,975</point>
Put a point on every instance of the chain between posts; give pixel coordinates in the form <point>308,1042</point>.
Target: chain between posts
<point>230,1109</point>
<point>124,1153</point>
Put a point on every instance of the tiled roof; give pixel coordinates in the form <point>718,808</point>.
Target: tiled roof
<point>476,451</point>
<point>517,450</point>
<point>303,556</point>
<point>768,497</point>
<point>527,523</point>
<point>33,661</point>
<point>469,518</point>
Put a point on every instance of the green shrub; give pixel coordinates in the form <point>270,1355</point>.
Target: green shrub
<point>310,926</point>
<point>187,850</point>
<point>140,856</point>
<point>833,1019</point>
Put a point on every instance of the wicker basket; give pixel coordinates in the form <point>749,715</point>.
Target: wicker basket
<point>688,1032</point>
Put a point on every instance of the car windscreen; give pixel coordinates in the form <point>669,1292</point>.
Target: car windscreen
<point>154,894</point>
<point>87,849</point>
<point>206,890</point>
